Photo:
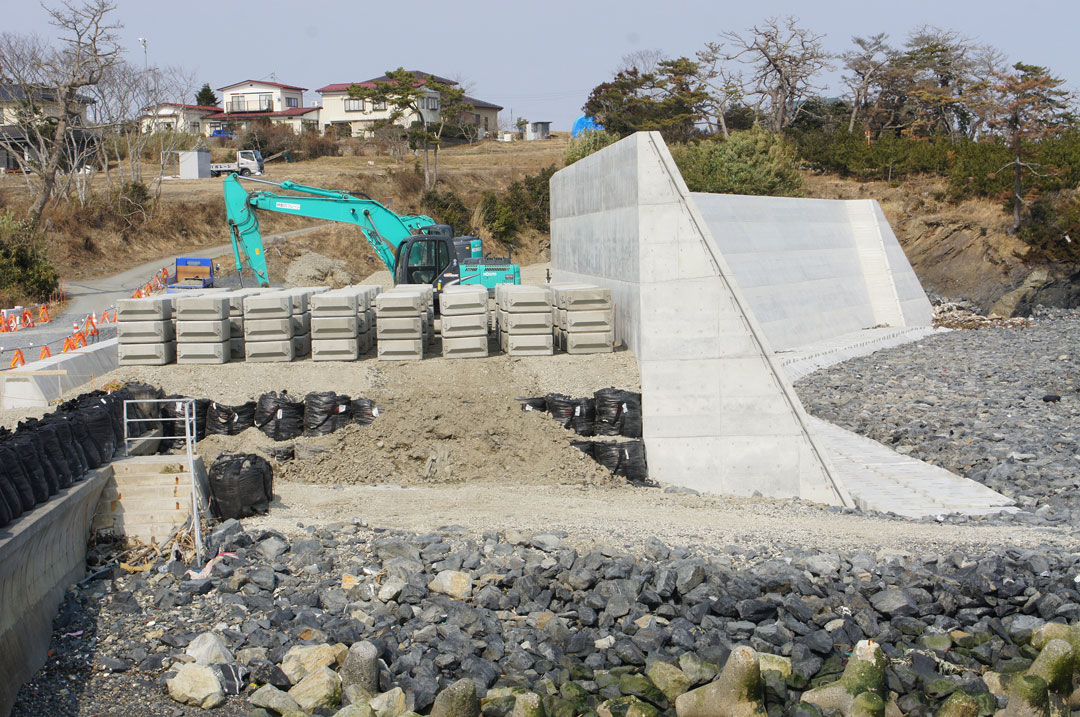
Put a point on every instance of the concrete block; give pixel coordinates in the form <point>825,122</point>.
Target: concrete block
<point>335,349</point>
<point>525,299</point>
<point>268,351</point>
<point>147,354</point>
<point>582,298</point>
<point>465,347</point>
<point>587,321</point>
<point>400,350</point>
<point>301,297</point>
<point>204,353</point>
<point>301,345</point>
<point>465,325</point>
<point>237,351</point>
<point>268,329</point>
<point>301,323</point>
<point>460,300</point>
<point>600,342</point>
<point>194,332</point>
<point>398,303</point>
<point>366,341</point>
<point>404,327</point>
<point>145,332</point>
<point>558,339</point>
<point>236,300</point>
<point>202,308</point>
<point>538,323</point>
<point>328,328</point>
<point>337,303</point>
<point>276,305</point>
<point>365,321</point>
<point>236,326</point>
<point>154,308</point>
<point>529,345</point>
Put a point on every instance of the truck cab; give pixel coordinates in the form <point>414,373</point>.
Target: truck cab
<point>248,161</point>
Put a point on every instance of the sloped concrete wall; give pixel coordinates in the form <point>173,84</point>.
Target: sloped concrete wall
<point>21,388</point>
<point>41,555</point>
<point>812,269</point>
<point>719,414</point>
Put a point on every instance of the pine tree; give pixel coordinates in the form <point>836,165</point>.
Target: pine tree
<point>205,96</point>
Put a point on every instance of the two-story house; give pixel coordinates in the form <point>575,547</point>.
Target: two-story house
<point>14,143</point>
<point>254,100</point>
<point>177,117</point>
<point>359,115</point>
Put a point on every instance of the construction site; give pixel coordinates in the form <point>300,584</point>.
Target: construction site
<point>638,470</point>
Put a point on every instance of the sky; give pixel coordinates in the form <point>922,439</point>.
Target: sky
<point>538,60</point>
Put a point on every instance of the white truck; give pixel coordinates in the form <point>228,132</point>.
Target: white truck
<point>248,161</point>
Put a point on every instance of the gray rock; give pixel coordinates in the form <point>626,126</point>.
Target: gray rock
<point>361,668</point>
<point>209,649</point>
<point>894,603</point>
<point>196,685</point>
<point>457,700</point>
<point>273,699</point>
<point>272,548</point>
<point>547,542</point>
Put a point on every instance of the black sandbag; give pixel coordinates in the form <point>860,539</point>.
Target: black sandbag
<point>586,447</point>
<point>26,454</point>
<point>99,425</point>
<point>81,431</point>
<point>6,515</point>
<point>172,413</point>
<point>583,417</point>
<point>218,418</point>
<point>243,418</point>
<point>538,403</point>
<point>630,420</point>
<point>608,404</point>
<point>364,411</point>
<point>17,476</point>
<point>632,461</point>
<point>279,417</point>
<point>145,407</point>
<point>10,493</point>
<point>72,454</point>
<point>241,485</point>
<point>607,454</point>
<point>559,406</point>
<point>326,412</point>
<point>50,448</point>
<point>43,457</point>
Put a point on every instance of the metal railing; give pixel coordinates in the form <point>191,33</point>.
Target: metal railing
<point>186,417</point>
<point>249,106</point>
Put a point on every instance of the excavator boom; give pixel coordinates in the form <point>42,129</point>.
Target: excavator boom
<point>383,229</point>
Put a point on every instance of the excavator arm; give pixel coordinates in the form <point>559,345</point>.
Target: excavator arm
<point>383,229</point>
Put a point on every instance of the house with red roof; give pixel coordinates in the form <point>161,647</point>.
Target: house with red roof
<point>176,117</point>
<point>357,117</point>
<point>260,100</point>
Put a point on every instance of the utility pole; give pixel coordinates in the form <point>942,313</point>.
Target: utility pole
<point>145,66</point>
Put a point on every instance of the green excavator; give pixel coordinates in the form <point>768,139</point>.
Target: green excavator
<point>414,248</point>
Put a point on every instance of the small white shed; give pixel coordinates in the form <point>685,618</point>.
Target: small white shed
<point>194,164</point>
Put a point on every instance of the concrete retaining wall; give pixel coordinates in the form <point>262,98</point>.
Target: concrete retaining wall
<point>41,555</point>
<point>814,268</point>
<point>21,388</point>
<point>719,413</point>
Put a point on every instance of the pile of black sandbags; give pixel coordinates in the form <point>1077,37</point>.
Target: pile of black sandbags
<point>609,412</point>
<point>46,455</point>
<point>241,485</point>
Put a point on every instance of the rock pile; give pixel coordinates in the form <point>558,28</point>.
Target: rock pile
<point>350,621</point>
<point>999,406</point>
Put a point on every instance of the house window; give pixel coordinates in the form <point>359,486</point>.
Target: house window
<point>194,127</point>
<point>433,103</point>
<point>354,105</point>
<point>266,102</point>
<point>379,106</point>
<point>292,102</point>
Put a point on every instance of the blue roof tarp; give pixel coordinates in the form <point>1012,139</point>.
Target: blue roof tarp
<point>584,124</point>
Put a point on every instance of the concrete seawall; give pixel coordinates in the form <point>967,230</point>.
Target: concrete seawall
<point>42,554</point>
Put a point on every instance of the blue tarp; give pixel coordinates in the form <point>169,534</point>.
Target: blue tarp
<point>584,124</point>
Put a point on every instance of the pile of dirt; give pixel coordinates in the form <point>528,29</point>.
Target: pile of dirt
<point>313,269</point>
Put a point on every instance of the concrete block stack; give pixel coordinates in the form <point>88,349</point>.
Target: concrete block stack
<point>268,327</point>
<point>366,329</point>
<point>524,320</point>
<point>301,317</point>
<point>236,320</point>
<point>465,317</point>
<point>146,331</point>
<point>202,329</point>
<point>401,315</point>
<point>584,318</point>
<point>335,324</point>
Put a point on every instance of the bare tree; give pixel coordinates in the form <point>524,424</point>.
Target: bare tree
<point>646,62</point>
<point>988,65</point>
<point>865,67</point>
<point>52,81</point>
<point>784,60</point>
<point>722,84</point>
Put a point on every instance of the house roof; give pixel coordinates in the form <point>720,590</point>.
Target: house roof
<point>12,92</point>
<point>480,104</point>
<point>199,108</point>
<point>288,112</point>
<point>419,75</point>
<point>262,82</point>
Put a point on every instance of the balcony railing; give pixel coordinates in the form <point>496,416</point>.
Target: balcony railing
<point>249,106</point>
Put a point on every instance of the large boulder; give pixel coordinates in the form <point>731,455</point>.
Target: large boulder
<point>196,685</point>
<point>301,660</point>
<point>457,700</point>
<point>361,668</point>
<point>271,698</point>
<point>209,649</point>
<point>320,688</point>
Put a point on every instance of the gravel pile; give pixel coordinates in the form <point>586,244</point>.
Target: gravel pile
<point>380,623</point>
<point>997,405</point>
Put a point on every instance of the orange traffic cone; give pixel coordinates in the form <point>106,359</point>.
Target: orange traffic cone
<point>18,360</point>
<point>45,353</point>
<point>43,314</point>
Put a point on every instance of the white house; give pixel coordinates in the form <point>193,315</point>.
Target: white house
<point>341,110</point>
<point>253,100</point>
<point>177,117</point>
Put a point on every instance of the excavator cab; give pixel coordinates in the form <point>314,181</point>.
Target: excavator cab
<point>424,259</point>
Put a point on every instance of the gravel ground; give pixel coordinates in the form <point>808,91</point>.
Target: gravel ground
<point>998,405</point>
